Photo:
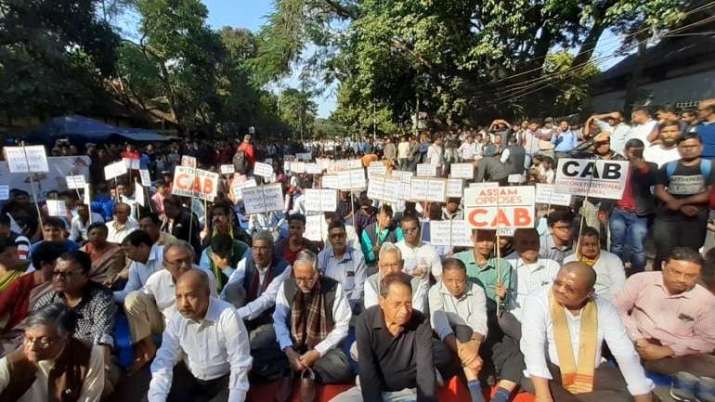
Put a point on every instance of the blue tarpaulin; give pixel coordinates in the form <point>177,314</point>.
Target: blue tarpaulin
<point>83,129</point>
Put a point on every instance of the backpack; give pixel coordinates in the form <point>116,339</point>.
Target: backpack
<point>705,168</point>
<point>240,162</point>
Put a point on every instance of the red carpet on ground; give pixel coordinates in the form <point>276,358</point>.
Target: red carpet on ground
<point>452,391</point>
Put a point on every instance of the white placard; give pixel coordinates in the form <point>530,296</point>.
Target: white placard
<point>592,178</point>
<point>190,182</point>
<point>515,178</point>
<point>494,207</point>
<point>352,180</point>
<point>263,169</point>
<point>139,194</point>
<point>305,156</point>
<point>454,233</point>
<point>268,161</point>
<point>314,225</point>
<point>286,166</point>
<point>75,182</point>
<point>188,161</point>
<point>32,158</point>
<point>145,178</point>
<point>56,208</point>
<point>546,194</point>
<point>297,167</point>
<point>455,188</point>
<point>321,200</point>
<point>329,181</point>
<point>239,185</point>
<point>133,164</point>
<point>114,170</point>
<point>313,168</point>
<point>375,169</point>
<point>262,199</point>
<point>227,169</point>
<point>461,171</point>
<point>87,196</point>
<point>386,188</point>
<point>403,174</point>
<point>425,189</point>
<point>4,192</point>
<point>426,170</point>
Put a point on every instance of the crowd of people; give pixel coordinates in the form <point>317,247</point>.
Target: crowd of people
<point>598,301</point>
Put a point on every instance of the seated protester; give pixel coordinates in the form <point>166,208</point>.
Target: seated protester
<point>420,258</point>
<point>671,319</point>
<point>272,221</point>
<point>53,229</point>
<point>352,237</point>
<point>683,187</point>
<point>529,274</point>
<point>11,267</point>
<point>16,300</point>
<point>610,274</point>
<point>180,222</point>
<point>344,263</point>
<point>365,215</point>
<point>222,256</point>
<point>458,311</point>
<point>52,365</point>
<point>567,324</point>
<point>390,262</point>
<point>452,209</point>
<point>378,233</point>
<point>22,243</point>
<point>151,224</point>
<point>122,224</point>
<point>252,289</point>
<point>204,352</point>
<point>287,249</point>
<point>558,242</point>
<point>108,259</point>
<point>80,223</point>
<point>149,308</point>
<point>222,220</point>
<point>397,355</point>
<point>146,258</point>
<point>311,319</point>
<point>90,302</point>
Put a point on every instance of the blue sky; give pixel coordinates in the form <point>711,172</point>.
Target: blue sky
<point>252,14</point>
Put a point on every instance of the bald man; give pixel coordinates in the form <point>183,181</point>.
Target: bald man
<point>204,352</point>
<point>571,323</point>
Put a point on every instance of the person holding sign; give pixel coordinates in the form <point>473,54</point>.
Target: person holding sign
<point>420,258</point>
<point>567,326</point>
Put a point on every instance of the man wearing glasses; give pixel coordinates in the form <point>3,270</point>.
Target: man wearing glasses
<point>343,263</point>
<point>558,241</point>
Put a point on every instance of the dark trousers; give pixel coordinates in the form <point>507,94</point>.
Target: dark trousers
<point>608,386</point>
<point>187,388</point>
<point>333,368</point>
<point>502,351</point>
<point>702,365</point>
<point>672,230</point>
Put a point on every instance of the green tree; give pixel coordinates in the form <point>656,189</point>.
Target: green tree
<point>297,110</point>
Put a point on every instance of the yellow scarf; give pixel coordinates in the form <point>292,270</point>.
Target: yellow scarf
<point>576,377</point>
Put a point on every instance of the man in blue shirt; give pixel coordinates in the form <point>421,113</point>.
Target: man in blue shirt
<point>706,128</point>
<point>565,140</point>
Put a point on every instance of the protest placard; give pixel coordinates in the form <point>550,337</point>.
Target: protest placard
<point>592,178</point>
<point>426,189</point>
<point>228,169</point>
<point>349,180</point>
<point>385,188</point>
<point>313,168</point>
<point>75,182</point>
<point>87,195</point>
<point>329,181</point>
<point>515,178</point>
<point>239,183</point>
<point>305,156</point>
<point>145,178</point>
<point>547,194</point>
<point>27,159</point>
<point>286,166</point>
<point>56,208</point>
<point>375,169</point>
<point>4,192</point>
<point>262,199</point>
<point>321,200</point>
<point>315,226</point>
<point>494,207</point>
<point>297,167</point>
<point>461,171</point>
<point>188,161</point>
<point>262,169</point>
<point>426,170</point>
<point>133,164</point>
<point>139,194</point>
<point>190,182</point>
<point>403,175</point>
<point>455,188</point>
<point>114,170</point>
<point>455,233</point>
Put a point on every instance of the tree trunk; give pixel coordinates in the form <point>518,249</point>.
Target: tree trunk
<point>589,44</point>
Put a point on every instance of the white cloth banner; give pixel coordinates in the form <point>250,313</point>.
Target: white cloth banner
<point>59,168</point>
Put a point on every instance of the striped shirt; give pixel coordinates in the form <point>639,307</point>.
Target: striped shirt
<point>526,279</point>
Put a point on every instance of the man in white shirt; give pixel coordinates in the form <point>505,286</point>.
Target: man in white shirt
<point>435,155</point>
<point>468,149</point>
<point>204,352</point>
<point>611,275</point>
<point>667,150</point>
<point>403,153</point>
<point>149,308</point>
<point>389,262</point>
<point>420,259</point>
<point>643,126</point>
<point>311,319</point>
<point>343,263</point>
<point>567,324</point>
<point>80,223</point>
<point>122,224</point>
<point>458,311</point>
<point>252,289</point>
<point>146,258</point>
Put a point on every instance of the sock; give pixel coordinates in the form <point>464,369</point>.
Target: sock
<point>475,389</point>
<point>502,395</point>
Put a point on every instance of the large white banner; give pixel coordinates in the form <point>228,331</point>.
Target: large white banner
<point>592,178</point>
<point>494,207</point>
<point>55,179</point>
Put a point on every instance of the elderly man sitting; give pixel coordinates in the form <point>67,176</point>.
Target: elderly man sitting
<point>671,319</point>
<point>390,261</point>
<point>311,318</point>
<point>204,352</point>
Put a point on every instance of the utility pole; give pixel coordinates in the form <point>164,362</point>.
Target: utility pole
<point>374,123</point>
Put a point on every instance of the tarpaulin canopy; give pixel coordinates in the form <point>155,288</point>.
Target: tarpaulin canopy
<point>84,129</point>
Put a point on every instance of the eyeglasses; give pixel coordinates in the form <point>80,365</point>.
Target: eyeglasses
<point>63,275</point>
